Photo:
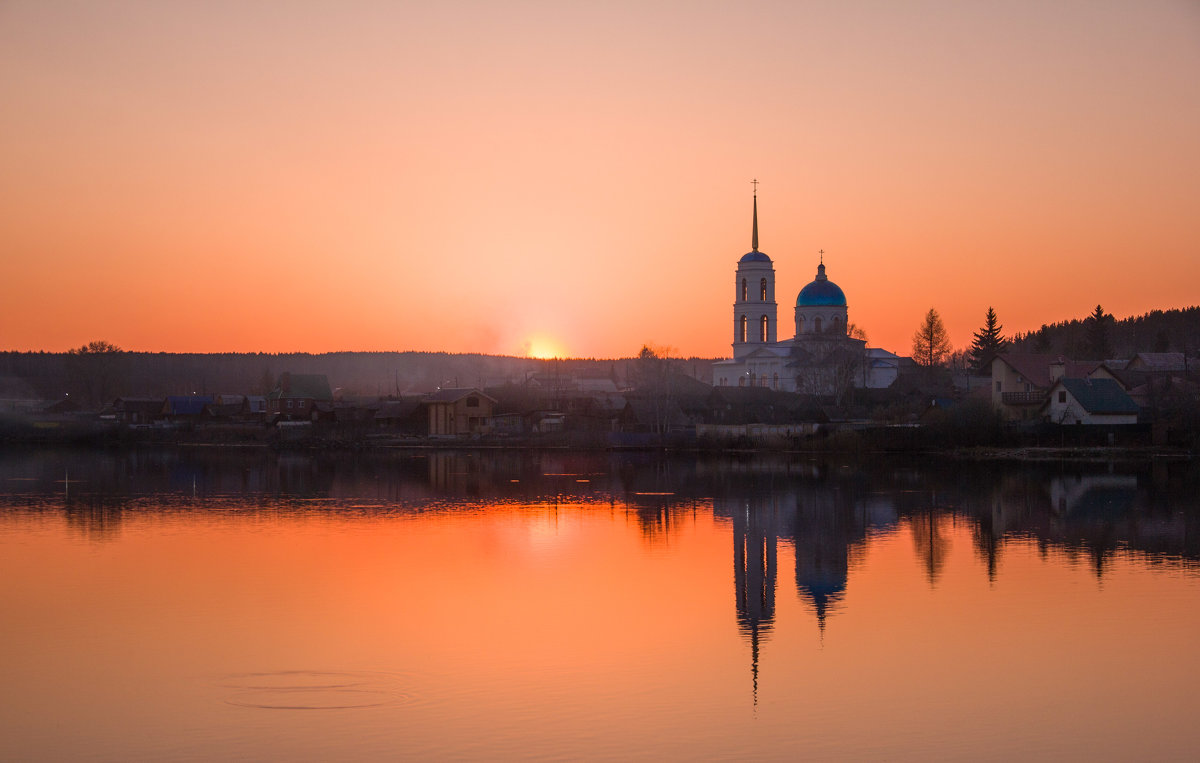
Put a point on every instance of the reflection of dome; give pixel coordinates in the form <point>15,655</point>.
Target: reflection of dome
<point>755,256</point>
<point>820,293</point>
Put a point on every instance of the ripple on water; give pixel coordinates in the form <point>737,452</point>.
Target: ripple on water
<point>314,690</point>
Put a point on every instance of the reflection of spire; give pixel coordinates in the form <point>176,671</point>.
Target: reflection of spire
<point>754,573</point>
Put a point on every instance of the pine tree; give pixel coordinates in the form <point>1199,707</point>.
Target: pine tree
<point>989,342</point>
<point>1097,343</point>
<point>931,343</point>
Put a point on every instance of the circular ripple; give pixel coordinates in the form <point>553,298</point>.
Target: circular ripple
<point>314,690</point>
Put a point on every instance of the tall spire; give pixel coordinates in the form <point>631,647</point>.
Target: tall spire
<point>754,236</point>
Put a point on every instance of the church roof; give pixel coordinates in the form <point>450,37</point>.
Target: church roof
<point>821,292</point>
<point>755,256</point>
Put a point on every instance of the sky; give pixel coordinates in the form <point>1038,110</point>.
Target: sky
<point>575,178</point>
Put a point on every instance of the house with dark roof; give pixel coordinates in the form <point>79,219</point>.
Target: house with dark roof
<point>458,411</point>
<point>1021,381</point>
<point>1089,402</point>
<point>297,395</point>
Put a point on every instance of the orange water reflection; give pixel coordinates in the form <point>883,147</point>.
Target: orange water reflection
<point>771,613</point>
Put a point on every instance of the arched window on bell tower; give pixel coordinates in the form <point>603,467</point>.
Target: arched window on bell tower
<point>744,329</point>
<point>745,291</point>
<point>762,328</point>
<point>762,290</point>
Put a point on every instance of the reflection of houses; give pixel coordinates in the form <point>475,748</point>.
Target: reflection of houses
<point>460,411</point>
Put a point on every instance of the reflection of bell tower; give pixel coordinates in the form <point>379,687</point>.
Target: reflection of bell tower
<point>754,573</point>
<point>754,298</point>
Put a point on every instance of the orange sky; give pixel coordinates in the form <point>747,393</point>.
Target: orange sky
<point>478,176</point>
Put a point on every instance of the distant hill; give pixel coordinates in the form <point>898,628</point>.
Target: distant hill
<point>95,381</point>
<point>1176,330</point>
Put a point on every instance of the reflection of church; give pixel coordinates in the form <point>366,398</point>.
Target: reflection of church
<point>825,529</point>
<point>820,359</point>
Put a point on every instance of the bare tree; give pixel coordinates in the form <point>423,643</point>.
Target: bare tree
<point>931,343</point>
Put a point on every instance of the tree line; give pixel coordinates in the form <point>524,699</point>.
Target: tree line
<point>1099,336</point>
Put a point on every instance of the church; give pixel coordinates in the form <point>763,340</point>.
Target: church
<point>820,359</point>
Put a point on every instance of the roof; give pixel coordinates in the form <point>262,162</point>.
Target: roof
<point>454,394</point>
<point>821,293</point>
<point>186,405</point>
<point>309,386</point>
<point>1099,395</point>
<point>398,409</point>
<point>1158,361</point>
<point>1035,367</point>
<point>755,256</point>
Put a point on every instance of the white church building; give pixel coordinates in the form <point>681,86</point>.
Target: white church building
<point>819,359</point>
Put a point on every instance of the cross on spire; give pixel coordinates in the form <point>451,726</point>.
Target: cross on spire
<point>822,253</point>
<point>754,183</point>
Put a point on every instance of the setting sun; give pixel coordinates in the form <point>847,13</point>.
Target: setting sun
<point>543,349</point>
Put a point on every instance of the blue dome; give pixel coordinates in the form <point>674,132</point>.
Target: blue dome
<point>755,256</point>
<point>821,293</point>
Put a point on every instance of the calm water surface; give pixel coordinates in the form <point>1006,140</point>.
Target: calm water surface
<point>249,605</point>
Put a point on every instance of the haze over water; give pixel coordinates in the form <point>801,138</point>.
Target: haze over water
<point>203,605</point>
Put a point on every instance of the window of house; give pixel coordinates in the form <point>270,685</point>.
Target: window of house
<point>472,402</point>
<point>1062,396</point>
<point>762,290</point>
<point>299,403</point>
<point>998,386</point>
<point>763,329</point>
<point>744,291</point>
<point>743,329</point>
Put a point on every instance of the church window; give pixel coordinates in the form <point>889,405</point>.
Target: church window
<point>817,324</point>
<point>837,325</point>
<point>741,381</point>
<point>800,324</point>
<point>762,290</point>
<point>745,293</point>
<point>743,329</point>
<point>775,381</point>
<point>762,329</point>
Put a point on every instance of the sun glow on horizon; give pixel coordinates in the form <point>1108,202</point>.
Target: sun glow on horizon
<point>544,348</point>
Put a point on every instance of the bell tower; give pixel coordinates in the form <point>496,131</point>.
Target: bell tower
<point>754,308</point>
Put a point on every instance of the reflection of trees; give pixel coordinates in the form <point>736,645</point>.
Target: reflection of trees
<point>95,517</point>
<point>932,548</point>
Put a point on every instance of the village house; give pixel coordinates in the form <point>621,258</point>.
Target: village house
<point>458,411</point>
<point>1022,381</point>
<point>297,395</point>
<point>1091,402</point>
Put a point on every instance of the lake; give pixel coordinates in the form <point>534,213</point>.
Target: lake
<point>207,604</point>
